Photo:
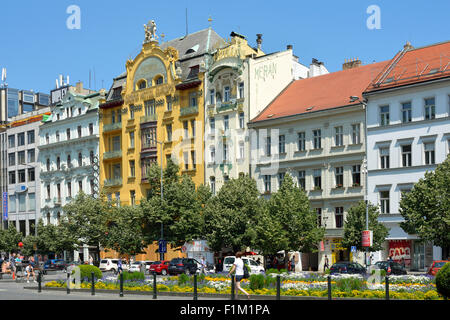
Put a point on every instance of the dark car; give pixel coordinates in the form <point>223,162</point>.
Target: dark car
<point>53,265</point>
<point>347,267</point>
<point>391,267</point>
<point>182,265</point>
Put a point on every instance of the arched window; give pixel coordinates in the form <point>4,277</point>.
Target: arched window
<point>159,80</point>
<point>142,84</point>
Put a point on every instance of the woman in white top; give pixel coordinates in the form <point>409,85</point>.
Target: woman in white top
<point>239,275</point>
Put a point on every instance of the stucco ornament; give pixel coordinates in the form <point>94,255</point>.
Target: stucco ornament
<point>150,31</point>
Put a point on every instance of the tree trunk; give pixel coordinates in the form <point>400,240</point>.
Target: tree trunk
<point>286,258</point>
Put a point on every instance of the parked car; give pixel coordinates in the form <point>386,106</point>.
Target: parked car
<point>54,265</point>
<point>255,267</point>
<point>182,265</point>
<point>136,266</point>
<point>347,267</point>
<point>111,265</point>
<point>391,267</point>
<point>436,266</point>
<point>160,267</point>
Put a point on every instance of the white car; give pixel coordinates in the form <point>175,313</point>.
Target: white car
<point>111,265</point>
<point>255,267</point>
<point>136,266</point>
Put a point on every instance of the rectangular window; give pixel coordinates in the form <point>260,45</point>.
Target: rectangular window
<point>118,199</point>
<point>267,185</point>
<point>430,109</point>
<point>91,129</point>
<point>193,128</point>
<point>12,204</point>
<point>429,153</point>
<point>319,216</point>
<point>384,115</point>
<point>241,90</point>
<point>133,198</point>
<point>406,155</point>
<point>241,150</point>
<point>241,120</point>
<point>12,177</point>
<point>31,175</point>
<point>226,94</point>
<point>356,175</point>
<point>194,164</point>
<point>339,215</point>
<point>268,146</point>
<point>132,169</point>
<point>68,134</point>
<point>169,103</point>
<point>48,192</point>
<point>339,177</point>
<point>212,99</point>
<point>384,158</point>
<point>406,112</point>
<point>356,133</point>
<point>20,139</point>
<point>301,145</point>
<point>132,139</point>
<point>317,142</point>
<point>186,160</point>
<point>302,179</point>
<point>69,189</point>
<point>193,99</point>
<point>131,112</point>
<point>31,202</point>
<point>225,152</point>
<point>149,107</point>
<point>12,141</point>
<point>212,184</point>
<point>338,136</point>
<point>317,179</point>
<point>384,201</point>
<point>226,122</point>
<point>21,157</point>
<point>79,131</point>
<point>186,129</point>
<point>31,155</point>
<point>281,144</point>
<point>116,143</point>
<point>12,159</point>
<point>212,124</point>
<point>212,154</point>
<point>21,176</point>
<point>30,136</point>
<point>22,203</point>
<point>281,178</point>
<point>169,132</point>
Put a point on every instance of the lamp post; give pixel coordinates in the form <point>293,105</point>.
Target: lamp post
<point>365,168</point>
<point>161,254</point>
<point>36,259</point>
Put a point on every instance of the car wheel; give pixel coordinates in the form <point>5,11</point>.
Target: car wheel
<point>164,272</point>
<point>114,271</point>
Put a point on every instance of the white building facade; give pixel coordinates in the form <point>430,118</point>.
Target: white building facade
<point>408,134</point>
<point>69,143</point>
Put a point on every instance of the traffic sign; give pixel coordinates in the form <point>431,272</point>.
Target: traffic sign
<point>353,249</point>
<point>162,246</point>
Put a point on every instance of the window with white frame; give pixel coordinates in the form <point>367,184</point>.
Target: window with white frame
<point>212,154</point>
<point>317,179</point>
<point>302,179</point>
<point>384,158</point>
<point>268,146</point>
<point>301,145</point>
<point>241,120</point>
<point>317,141</point>
<point>226,122</point>
<point>212,184</point>
<point>339,216</point>
<point>406,155</point>
<point>186,160</point>
<point>225,152</point>
<point>338,136</point>
<point>339,177</point>
<point>212,96</point>
<point>429,153</point>
<point>384,202</point>
<point>406,112</point>
<point>281,144</point>
<point>226,94</point>
<point>356,133</point>
<point>193,128</point>
<point>193,99</point>
<point>384,115</point>
<point>186,129</point>
<point>356,175</point>
<point>430,109</point>
<point>241,150</point>
<point>241,90</point>
<point>212,124</point>
<point>267,186</point>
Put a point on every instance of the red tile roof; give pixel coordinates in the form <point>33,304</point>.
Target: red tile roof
<point>322,92</point>
<point>414,66</point>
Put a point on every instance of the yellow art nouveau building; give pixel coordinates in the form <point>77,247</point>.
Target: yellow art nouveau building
<point>153,112</point>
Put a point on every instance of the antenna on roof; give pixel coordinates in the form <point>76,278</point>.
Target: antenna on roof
<point>186,22</point>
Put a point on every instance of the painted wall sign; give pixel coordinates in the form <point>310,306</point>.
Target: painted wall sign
<point>265,71</point>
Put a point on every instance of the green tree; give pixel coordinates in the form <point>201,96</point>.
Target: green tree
<point>426,209</point>
<point>355,223</point>
<point>9,239</point>
<point>289,223</point>
<point>86,220</point>
<point>231,216</point>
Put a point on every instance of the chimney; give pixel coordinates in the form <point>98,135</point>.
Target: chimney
<point>351,64</point>
<point>259,40</point>
<point>79,87</point>
<point>408,46</point>
<point>289,47</point>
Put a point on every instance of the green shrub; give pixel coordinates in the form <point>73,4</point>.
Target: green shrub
<point>256,281</point>
<point>443,281</point>
<point>86,271</point>
<point>183,279</point>
<point>328,271</point>
<point>132,276</point>
<point>270,281</point>
<point>350,284</point>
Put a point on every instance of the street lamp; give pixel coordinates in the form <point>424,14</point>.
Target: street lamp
<point>161,254</point>
<point>365,167</point>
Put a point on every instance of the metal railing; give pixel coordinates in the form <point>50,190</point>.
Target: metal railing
<point>112,126</point>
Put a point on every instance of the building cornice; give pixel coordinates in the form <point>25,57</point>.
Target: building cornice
<point>69,142</point>
<point>422,123</point>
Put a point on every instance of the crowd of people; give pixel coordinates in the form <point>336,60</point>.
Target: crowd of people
<point>17,262</point>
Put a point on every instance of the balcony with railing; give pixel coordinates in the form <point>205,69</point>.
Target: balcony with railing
<point>115,182</point>
<point>112,127</point>
<point>186,111</point>
<point>57,201</point>
<point>226,106</point>
<point>148,118</point>
<point>112,154</point>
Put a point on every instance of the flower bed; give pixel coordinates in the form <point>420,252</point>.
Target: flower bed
<point>293,284</point>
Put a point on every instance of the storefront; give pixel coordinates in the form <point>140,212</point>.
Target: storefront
<point>400,251</point>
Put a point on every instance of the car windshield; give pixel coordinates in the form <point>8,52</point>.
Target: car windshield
<point>177,260</point>
<point>439,264</point>
<point>228,260</point>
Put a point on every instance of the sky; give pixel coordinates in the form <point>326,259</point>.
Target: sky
<point>36,45</point>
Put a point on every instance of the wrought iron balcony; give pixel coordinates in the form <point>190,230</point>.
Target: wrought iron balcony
<point>188,111</point>
<point>112,154</point>
<point>230,105</point>
<point>117,182</point>
<point>148,118</point>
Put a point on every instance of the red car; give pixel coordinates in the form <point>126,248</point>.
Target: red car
<point>160,267</point>
<point>436,266</point>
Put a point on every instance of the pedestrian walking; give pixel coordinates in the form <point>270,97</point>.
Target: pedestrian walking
<point>119,266</point>
<point>91,260</point>
<point>203,264</point>
<point>293,263</point>
<point>326,265</point>
<point>238,267</point>
<point>12,264</point>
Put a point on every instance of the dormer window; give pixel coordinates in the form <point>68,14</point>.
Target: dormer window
<point>193,49</point>
<point>142,84</point>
